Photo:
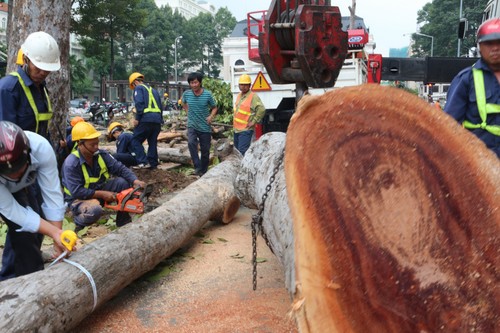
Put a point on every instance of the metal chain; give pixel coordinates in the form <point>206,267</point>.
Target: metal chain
<point>257,219</point>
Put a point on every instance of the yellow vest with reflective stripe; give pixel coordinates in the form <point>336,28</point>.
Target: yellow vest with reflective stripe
<point>243,113</point>
<point>91,180</point>
<point>38,116</point>
<point>484,108</point>
<point>152,105</point>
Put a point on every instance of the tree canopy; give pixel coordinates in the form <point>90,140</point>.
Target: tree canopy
<point>123,36</point>
<point>440,19</point>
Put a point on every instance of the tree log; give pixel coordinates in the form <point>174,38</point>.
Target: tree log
<point>179,154</point>
<point>257,167</point>
<point>57,299</point>
<point>396,216</point>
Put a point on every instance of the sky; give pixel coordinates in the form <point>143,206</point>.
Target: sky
<point>388,20</point>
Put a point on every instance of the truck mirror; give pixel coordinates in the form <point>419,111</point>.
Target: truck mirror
<point>463,25</point>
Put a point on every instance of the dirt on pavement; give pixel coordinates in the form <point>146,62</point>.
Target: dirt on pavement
<point>206,286</point>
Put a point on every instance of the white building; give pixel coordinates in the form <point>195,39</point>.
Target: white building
<point>188,8</point>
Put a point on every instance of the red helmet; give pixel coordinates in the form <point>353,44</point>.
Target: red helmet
<point>14,148</point>
<point>489,30</point>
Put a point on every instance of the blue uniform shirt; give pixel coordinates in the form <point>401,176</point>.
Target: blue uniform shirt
<point>73,180</point>
<point>124,144</point>
<point>199,108</point>
<point>14,105</point>
<point>141,101</point>
<point>461,102</point>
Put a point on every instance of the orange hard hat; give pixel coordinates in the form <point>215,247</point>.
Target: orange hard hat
<point>75,120</point>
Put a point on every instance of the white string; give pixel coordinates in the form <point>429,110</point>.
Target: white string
<point>89,276</point>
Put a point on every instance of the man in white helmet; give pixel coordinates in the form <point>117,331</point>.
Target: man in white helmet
<point>24,98</point>
<point>24,101</point>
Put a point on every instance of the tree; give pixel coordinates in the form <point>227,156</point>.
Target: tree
<point>26,18</point>
<point>101,23</point>
<point>81,84</point>
<point>440,20</point>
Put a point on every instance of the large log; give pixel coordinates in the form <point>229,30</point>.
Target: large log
<point>396,212</point>
<point>178,154</point>
<point>58,298</point>
<point>257,167</point>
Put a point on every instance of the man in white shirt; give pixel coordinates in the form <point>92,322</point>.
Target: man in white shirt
<point>32,202</point>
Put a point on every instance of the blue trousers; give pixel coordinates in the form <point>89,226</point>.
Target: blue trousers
<point>21,253</point>
<point>204,139</point>
<point>127,159</point>
<point>149,132</point>
<point>242,141</point>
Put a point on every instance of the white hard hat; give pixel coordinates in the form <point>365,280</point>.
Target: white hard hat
<point>42,50</point>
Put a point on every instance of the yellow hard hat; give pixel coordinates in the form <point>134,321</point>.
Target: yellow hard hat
<point>245,79</point>
<point>75,120</point>
<point>134,76</point>
<point>165,95</point>
<point>20,58</point>
<point>112,126</point>
<point>84,131</point>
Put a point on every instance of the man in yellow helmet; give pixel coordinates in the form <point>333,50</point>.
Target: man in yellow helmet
<point>248,111</point>
<point>24,98</point>
<point>91,177</point>
<point>124,150</point>
<point>148,120</point>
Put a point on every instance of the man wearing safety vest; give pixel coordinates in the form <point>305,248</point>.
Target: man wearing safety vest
<point>248,111</point>
<point>474,95</point>
<point>91,177</point>
<point>148,120</point>
<point>124,150</point>
<point>24,98</point>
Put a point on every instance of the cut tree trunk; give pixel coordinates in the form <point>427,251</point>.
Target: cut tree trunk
<point>178,154</point>
<point>57,299</point>
<point>396,213</point>
<point>257,167</point>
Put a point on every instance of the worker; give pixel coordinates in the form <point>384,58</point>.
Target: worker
<point>248,111</point>
<point>24,98</point>
<point>147,123</point>
<point>200,106</point>
<point>67,145</point>
<point>91,177</point>
<point>32,203</point>
<point>165,102</point>
<point>473,98</point>
<point>124,150</point>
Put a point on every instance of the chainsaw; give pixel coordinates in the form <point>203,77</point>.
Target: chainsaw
<point>131,200</point>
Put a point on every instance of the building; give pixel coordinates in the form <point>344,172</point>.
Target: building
<point>188,8</point>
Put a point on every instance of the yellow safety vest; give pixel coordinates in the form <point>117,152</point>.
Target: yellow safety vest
<point>484,108</point>
<point>91,180</point>
<point>38,116</point>
<point>243,113</point>
<point>152,105</point>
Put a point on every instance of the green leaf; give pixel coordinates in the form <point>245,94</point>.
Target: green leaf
<point>208,241</point>
<point>237,256</point>
<point>260,260</point>
<point>222,240</point>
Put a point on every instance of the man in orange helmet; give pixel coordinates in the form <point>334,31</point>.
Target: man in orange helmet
<point>474,95</point>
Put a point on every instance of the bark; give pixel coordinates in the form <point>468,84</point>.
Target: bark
<point>53,17</point>
<point>168,136</point>
<point>57,299</point>
<point>257,168</point>
<point>396,216</point>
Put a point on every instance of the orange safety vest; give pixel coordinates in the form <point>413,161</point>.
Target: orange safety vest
<point>242,115</point>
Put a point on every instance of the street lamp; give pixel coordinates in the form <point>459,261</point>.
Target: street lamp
<point>432,41</point>
<point>175,56</point>
<point>459,17</point>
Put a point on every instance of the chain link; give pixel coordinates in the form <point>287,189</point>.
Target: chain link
<point>257,219</point>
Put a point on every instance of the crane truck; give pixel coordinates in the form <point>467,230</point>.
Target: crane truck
<point>306,46</point>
